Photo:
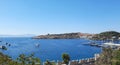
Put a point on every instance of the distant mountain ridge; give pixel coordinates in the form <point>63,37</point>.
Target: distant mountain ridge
<point>64,36</point>
<point>24,35</point>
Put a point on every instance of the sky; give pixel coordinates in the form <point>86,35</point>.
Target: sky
<point>58,16</point>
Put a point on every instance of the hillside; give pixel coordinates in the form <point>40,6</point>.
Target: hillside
<point>109,57</point>
<point>107,35</point>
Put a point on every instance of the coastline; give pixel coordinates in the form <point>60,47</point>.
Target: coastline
<point>64,36</point>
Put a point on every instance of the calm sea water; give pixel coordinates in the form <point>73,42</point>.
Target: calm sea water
<point>50,49</point>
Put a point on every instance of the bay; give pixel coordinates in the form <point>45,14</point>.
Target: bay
<point>49,49</point>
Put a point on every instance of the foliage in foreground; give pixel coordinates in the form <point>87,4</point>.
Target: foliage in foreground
<point>66,58</point>
<point>50,63</point>
<point>109,57</point>
<point>28,60</point>
<point>21,60</point>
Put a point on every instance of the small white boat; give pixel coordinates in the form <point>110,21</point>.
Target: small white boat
<point>1,47</point>
<point>111,44</point>
<point>37,45</point>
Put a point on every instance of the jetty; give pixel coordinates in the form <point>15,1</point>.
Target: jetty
<point>93,44</point>
<point>111,45</point>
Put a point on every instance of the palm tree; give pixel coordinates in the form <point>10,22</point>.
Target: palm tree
<point>66,58</point>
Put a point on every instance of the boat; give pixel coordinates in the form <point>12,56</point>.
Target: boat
<point>93,44</point>
<point>9,45</point>
<point>100,45</point>
<point>37,45</point>
<point>3,47</point>
<point>6,43</point>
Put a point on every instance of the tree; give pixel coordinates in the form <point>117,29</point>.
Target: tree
<point>117,63</point>
<point>106,57</point>
<point>28,60</point>
<point>48,63</point>
<point>66,58</point>
<point>21,60</point>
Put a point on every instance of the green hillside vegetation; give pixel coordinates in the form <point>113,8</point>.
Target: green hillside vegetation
<point>108,35</point>
<point>21,60</point>
<point>109,57</point>
<point>49,63</point>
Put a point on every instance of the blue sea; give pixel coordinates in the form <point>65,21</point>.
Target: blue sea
<point>49,49</point>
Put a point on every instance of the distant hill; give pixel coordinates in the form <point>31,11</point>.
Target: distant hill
<point>107,35</point>
<point>64,36</point>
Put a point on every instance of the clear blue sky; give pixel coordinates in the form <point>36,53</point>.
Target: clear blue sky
<point>58,16</point>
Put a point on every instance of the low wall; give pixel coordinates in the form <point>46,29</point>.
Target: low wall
<point>79,62</point>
